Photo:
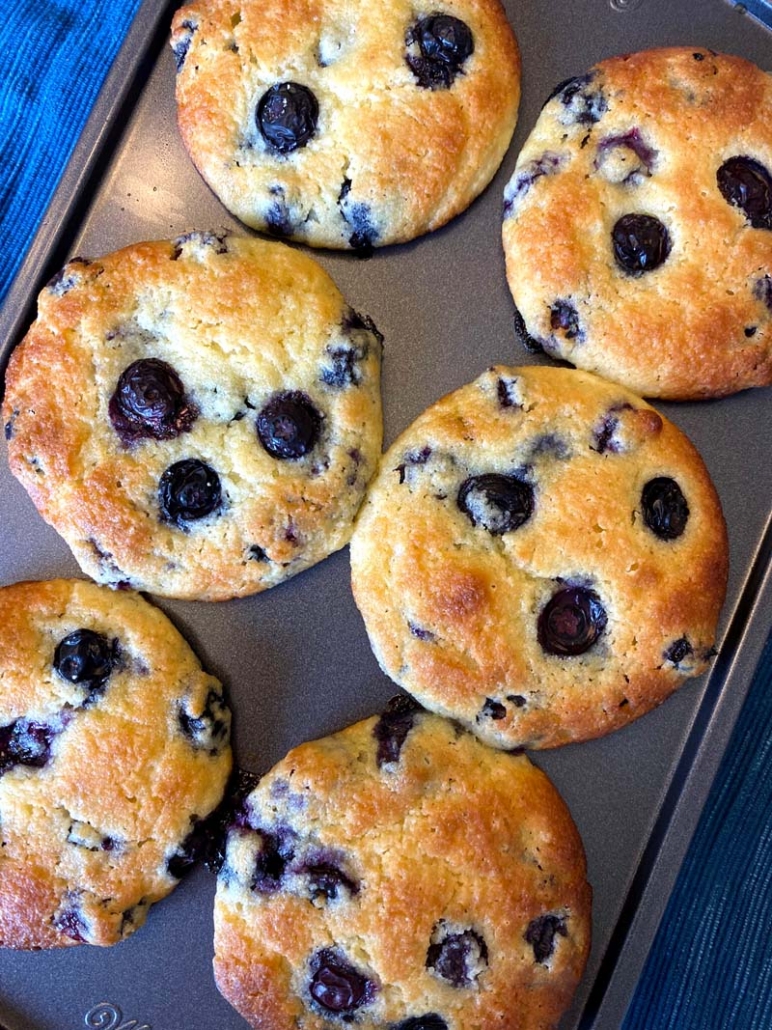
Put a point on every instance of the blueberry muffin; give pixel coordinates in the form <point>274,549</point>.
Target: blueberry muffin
<point>346,125</point>
<point>114,746</point>
<point>197,418</point>
<point>638,224</point>
<point>401,874</point>
<point>542,557</point>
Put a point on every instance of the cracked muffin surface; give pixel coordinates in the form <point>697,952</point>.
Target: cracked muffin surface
<point>198,418</point>
<point>401,874</point>
<point>542,556</point>
<point>638,224</point>
<point>114,747</point>
<point>346,123</point>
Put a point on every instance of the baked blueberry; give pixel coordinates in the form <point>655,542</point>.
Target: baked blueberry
<point>392,728</point>
<point>288,426</point>
<point>24,742</point>
<point>71,923</point>
<point>211,729</point>
<point>276,852</point>
<point>565,317</point>
<point>336,985</point>
<point>150,401</point>
<point>182,44</point>
<point>190,850</point>
<point>458,958</point>
<point>326,879</point>
<point>493,709</point>
<point>641,243</point>
<point>86,658</point>
<point>287,116</point>
<point>530,343</point>
<point>358,216</point>
<point>582,105</point>
<point>762,290</point>
<point>496,502</point>
<point>625,158</point>
<point>571,622</point>
<point>679,650</point>
<point>744,182</point>
<point>444,45</point>
<point>665,510</point>
<point>188,490</point>
<point>431,1021</point>
<point>541,935</point>
<point>520,184</point>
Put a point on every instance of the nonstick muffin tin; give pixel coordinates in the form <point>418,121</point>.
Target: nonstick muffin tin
<point>296,659</point>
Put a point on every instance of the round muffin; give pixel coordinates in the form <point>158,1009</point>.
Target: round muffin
<point>197,418</point>
<point>638,224</point>
<point>400,874</point>
<point>114,746</point>
<point>542,557</point>
<point>346,125</point>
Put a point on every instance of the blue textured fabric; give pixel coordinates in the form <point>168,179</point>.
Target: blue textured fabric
<point>56,54</point>
<point>711,965</point>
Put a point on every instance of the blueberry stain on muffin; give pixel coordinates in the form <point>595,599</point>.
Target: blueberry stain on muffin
<point>210,729</point>
<point>541,934</point>
<point>665,509</point>
<point>746,183</point>
<point>337,986</point>
<point>496,502</point>
<point>344,367</point>
<point>641,243</point>
<point>762,290</point>
<point>548,164</point>
<point>625,158</point>
<point>429,1021</point>
<point>181,45</point>
<point>287,116</point>
<point>564,318</point>
<point>149,401</point>
<point>391,730</point>
<point>26,742</point>
<point>358,217</point>
<point>571,622</point>
<point>679,651</point>
<point>277,849</point>
<point>582,103</point>
<point>327,880</point>
<point>289,425</point>
<point>438,47</point>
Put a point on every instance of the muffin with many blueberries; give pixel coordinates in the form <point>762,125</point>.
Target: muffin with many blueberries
<point>542,557</point>
<point>401,874</point>
<point>197,418</point>
<point>346,124</point>
<point>114,748</point>
<point>638,224</point>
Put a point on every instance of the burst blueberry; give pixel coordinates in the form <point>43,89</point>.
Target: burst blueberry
<point>392,728</point>
<point>150,401</point>
<point>496,502</point>
<point>541,935</point>
<point>444,45</point>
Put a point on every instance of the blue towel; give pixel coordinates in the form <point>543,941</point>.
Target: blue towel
<point>711,965</point>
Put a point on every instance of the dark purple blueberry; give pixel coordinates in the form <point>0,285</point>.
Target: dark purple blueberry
<point>508,393</point>
<point>343,369</point>
<point>496,502</point>
<point>750,331</point>
<point>188,490</point>
<point>494,709</point>
<point>336,985</point>
<point>679,650</point>
<point>581,104</point>
<point>190,850</point>
<point>392,728</point>
<point>571,622</point>
<point>327,880</point>
<point>210,730</point>
<point>431,1021</point>
<point>520,184</point>
<point>604,433</point>
<point>276,852</point>
<point>287,115</point>
<point>457,957</point>
<point>71,923</point>
<point>288,426</point>
<point>565,317</point>
<point>747,184</point>
<point>353,324</point>
<point>358,216</point>
<point>278,220</point>
<point>9,424</point>
<point>86,658</point>
<point>444,44</point>
<point>182,44</point>
<point>665,510</point>
<point>762,290</point>
<point>24,742</point>
<point>413,459</point>
<point>517,700</point>
<point>530,343</point>
<point>257,553</point>
<point>232,812</point>
<point>633,141</point>
<point>541,934</point>
<point>150,401</point>
<point>641,243</point>
<point>64,280</point>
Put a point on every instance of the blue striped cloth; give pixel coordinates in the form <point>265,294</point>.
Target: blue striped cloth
<point>711,965</point>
